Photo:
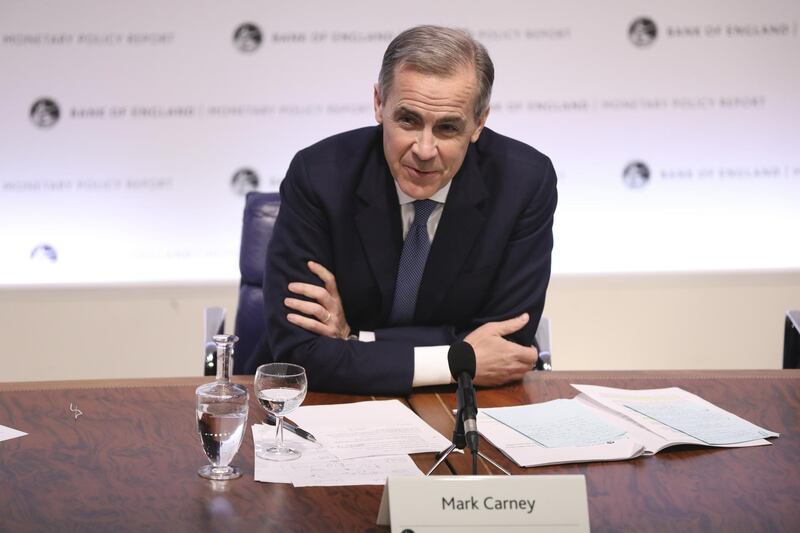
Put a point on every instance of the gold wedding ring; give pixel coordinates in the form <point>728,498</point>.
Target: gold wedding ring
<point>327,317</point>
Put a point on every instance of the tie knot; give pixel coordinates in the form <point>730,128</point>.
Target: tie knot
<point>423,210</point>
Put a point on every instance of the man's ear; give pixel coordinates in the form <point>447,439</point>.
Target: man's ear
<point>378,103</point>
<point>481,124</point>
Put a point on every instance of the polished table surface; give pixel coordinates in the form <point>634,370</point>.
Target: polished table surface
<point>130,462</point>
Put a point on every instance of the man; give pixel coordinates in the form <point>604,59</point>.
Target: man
<point>367,301</point>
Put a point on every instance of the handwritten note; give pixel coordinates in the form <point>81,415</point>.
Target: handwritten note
<point>557,424</point>
<point>526,452</point>
<point>704,422</point>
<point>318,466</point>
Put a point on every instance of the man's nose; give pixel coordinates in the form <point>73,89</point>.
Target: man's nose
<point>425,147</point>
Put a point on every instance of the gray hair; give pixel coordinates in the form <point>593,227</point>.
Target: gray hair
<point>439,51</point>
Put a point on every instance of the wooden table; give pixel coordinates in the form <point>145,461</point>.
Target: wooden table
<point>685,488</point>
<point>130,462</point>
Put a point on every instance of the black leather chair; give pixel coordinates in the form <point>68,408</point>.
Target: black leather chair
<point>260,212</point>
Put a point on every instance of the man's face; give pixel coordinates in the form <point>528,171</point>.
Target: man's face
<point>428,124</point>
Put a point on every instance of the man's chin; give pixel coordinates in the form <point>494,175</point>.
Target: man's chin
<point>420,190</point>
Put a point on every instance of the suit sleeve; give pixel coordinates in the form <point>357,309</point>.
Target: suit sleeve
<point>520,283</point>
<point>418,335</point>
<point>301,234</point>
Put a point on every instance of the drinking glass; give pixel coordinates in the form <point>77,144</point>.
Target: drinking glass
<point>280,389</point>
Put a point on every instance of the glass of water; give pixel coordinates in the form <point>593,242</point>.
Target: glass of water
<point>280,389</point>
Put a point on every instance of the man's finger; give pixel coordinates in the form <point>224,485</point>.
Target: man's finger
<point>527,355</point>
<point>326,276</point>
<point>307,308</point>
<point>310,324</point>
<point>507,327</point>
<point>320,294</point>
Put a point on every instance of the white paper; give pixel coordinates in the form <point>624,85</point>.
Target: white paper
<point>328,470</point>
<point>273,471</point>
<point>7,433</point>
<point>654,435</point>
<point>319,467</point>
<point>370,428</point>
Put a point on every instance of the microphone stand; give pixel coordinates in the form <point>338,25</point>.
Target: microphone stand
<point>460,441</point>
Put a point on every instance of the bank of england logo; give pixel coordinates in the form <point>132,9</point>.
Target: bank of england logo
<point>44,253</point>
<point>45,113</point>
<point>247,37</point>
<point>245,180</point>
<point>636,174</point>
<point>642,32</point>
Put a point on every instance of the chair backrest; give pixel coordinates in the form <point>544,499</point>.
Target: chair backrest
<point>260,212</point>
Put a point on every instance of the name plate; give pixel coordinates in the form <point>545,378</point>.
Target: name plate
<point>485,503</point>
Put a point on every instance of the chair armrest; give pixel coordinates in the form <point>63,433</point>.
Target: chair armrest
<point>545,361</point>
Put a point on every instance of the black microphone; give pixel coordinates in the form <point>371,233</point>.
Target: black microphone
<point>461,358</point>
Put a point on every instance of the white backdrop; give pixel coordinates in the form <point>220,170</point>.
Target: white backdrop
<point>123,125</point>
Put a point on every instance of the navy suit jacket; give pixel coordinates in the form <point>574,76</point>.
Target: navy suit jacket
<point>489,260</point>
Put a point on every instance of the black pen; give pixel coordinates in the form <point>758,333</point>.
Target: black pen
<point>291,427</point>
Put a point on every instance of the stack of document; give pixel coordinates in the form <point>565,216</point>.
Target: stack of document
<point>357,444</point>
<point>606,424</point>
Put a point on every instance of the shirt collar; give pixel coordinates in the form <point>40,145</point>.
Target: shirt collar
<point>439,196</point>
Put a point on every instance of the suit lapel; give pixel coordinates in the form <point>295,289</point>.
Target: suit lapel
<point>458,230</point>
<point>378,221</point>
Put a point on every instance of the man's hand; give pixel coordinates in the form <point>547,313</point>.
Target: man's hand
<point>325,315</point>
<point>499,361</point>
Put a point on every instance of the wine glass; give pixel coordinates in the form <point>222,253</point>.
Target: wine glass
<point>280,389</point>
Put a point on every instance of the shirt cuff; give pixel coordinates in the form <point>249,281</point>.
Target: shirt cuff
<point>366,336</point>
<point>431,366</point>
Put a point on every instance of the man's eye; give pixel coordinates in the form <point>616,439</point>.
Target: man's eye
<point>406,119</point>
<point>448,129</point>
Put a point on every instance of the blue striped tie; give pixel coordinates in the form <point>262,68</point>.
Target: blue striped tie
<point>412,263</point>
